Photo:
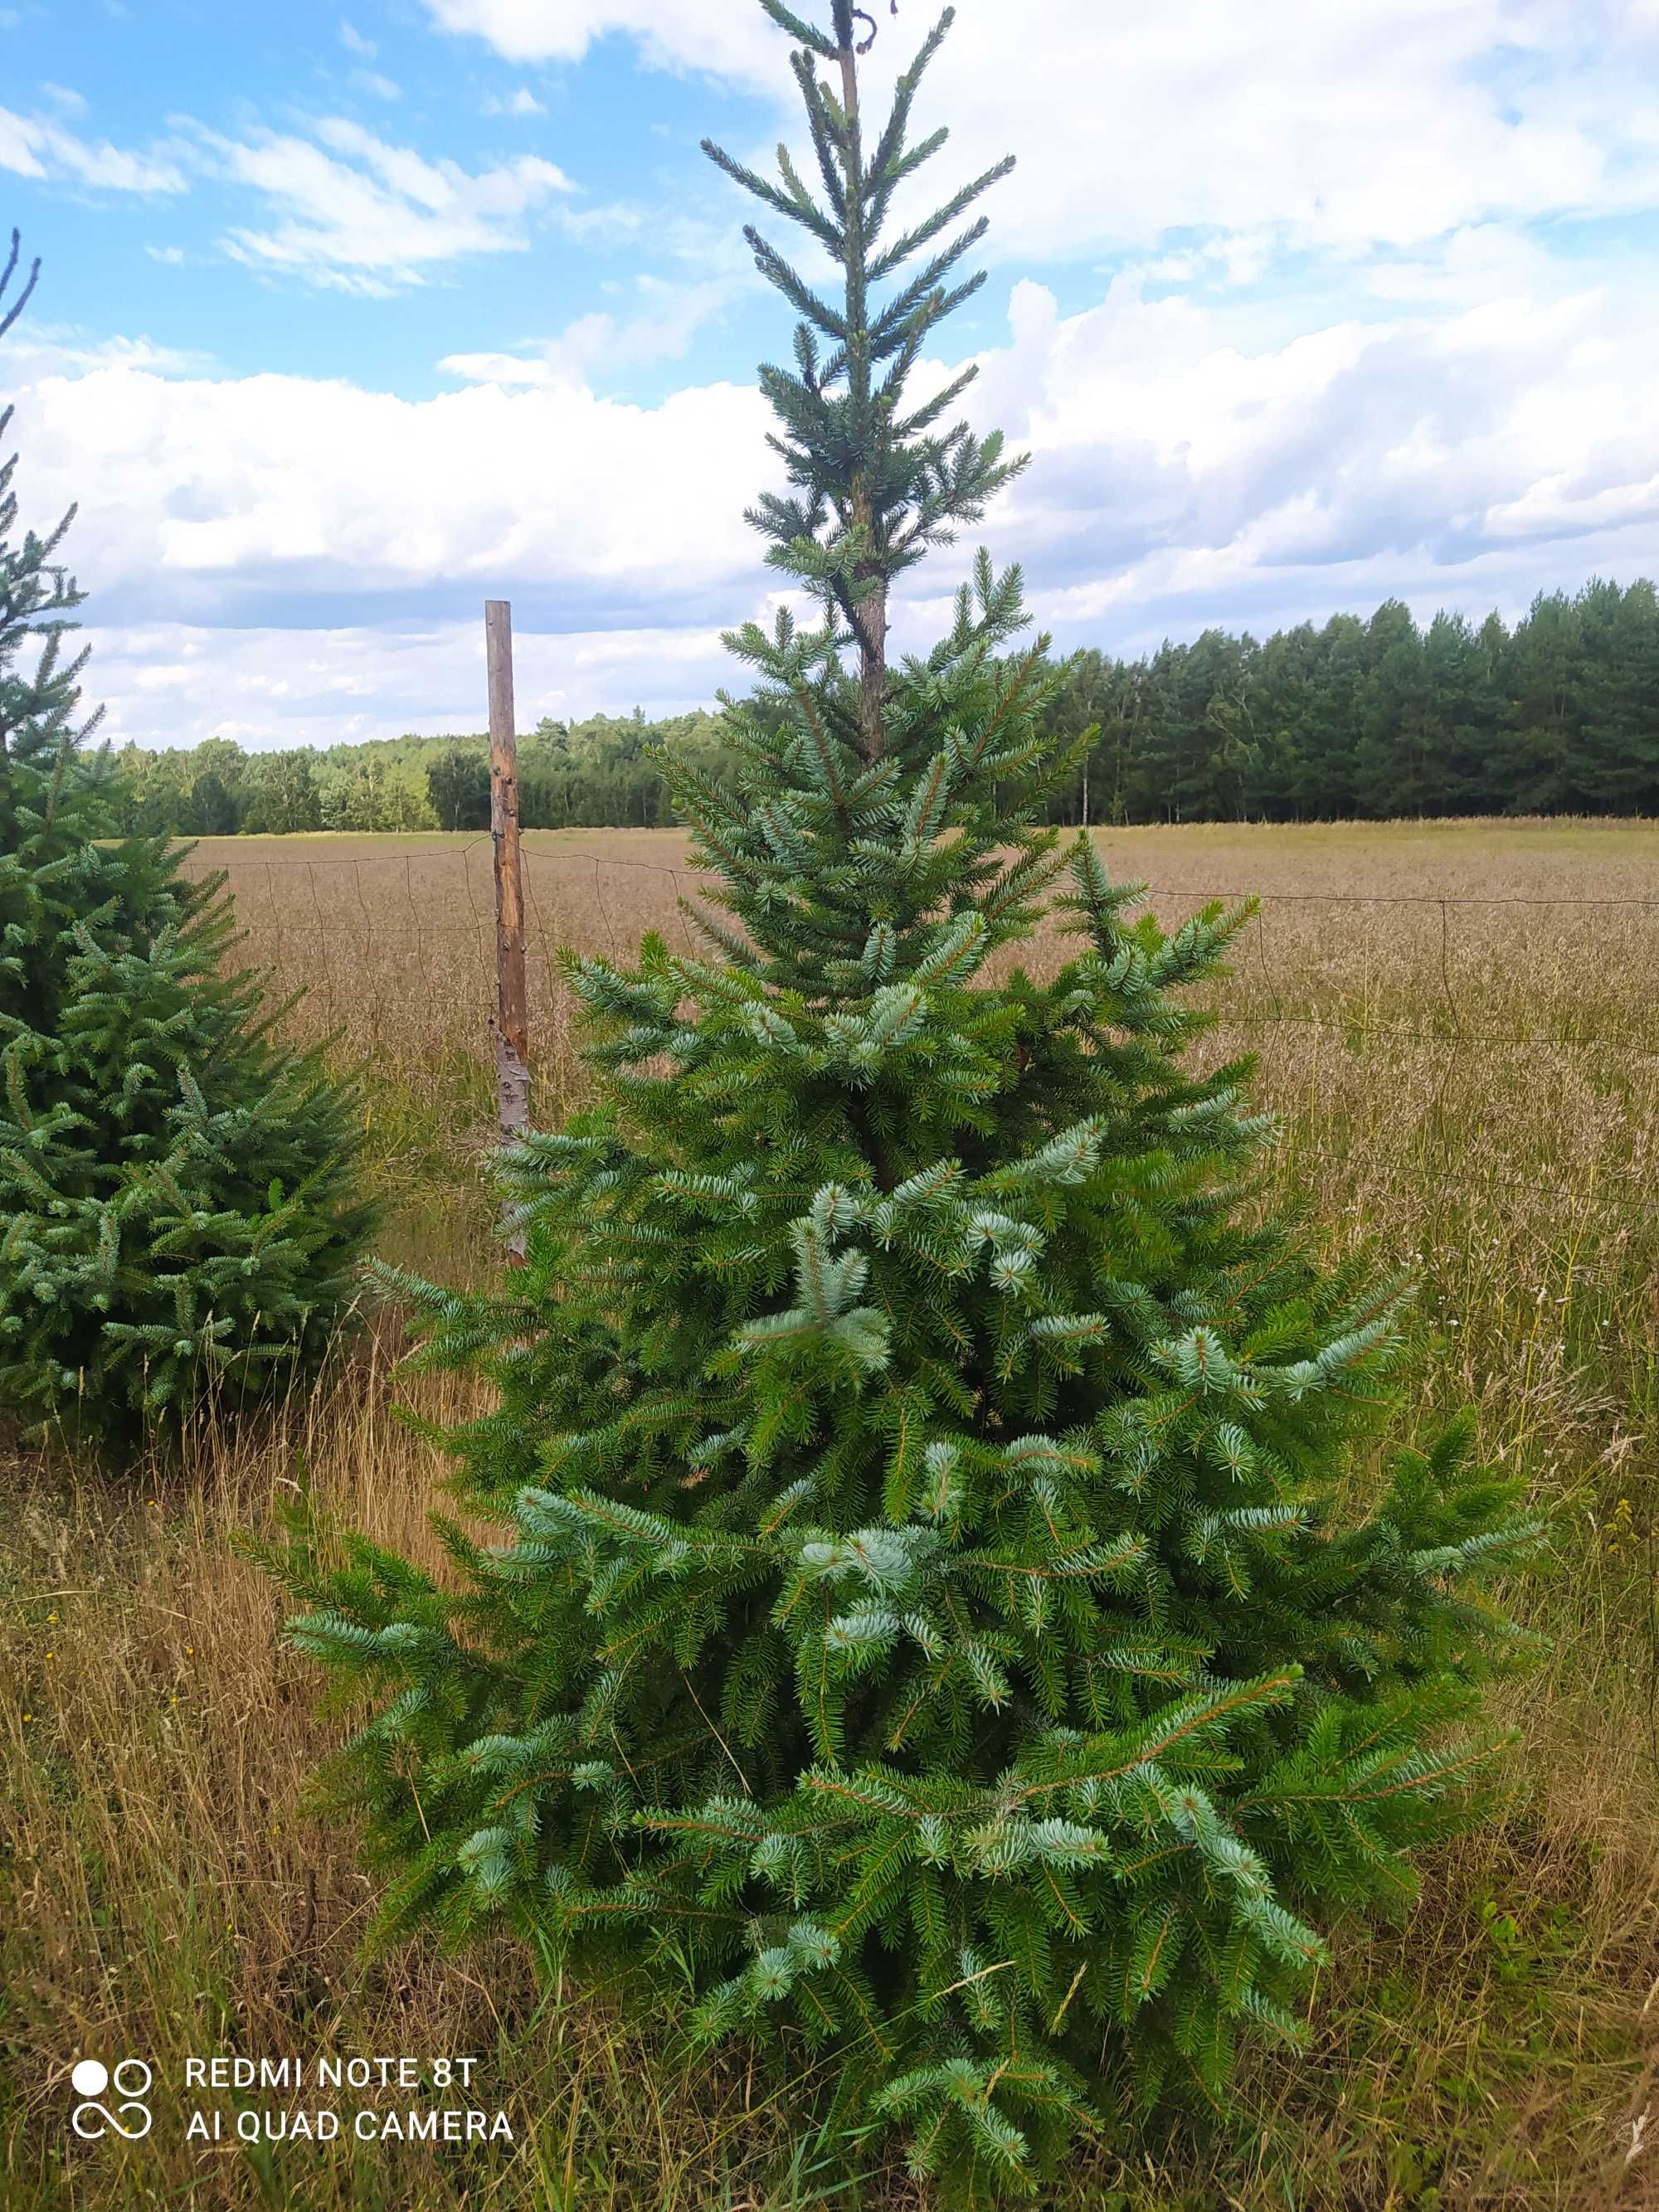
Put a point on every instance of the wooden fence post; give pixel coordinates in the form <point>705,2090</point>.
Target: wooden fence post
<point>512,1023</point>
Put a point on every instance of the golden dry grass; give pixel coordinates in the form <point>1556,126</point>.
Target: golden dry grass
<point>1472,1087</point>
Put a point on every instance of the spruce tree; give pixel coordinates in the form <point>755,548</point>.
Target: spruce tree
<point>181,1203</point>
<point>924,1637</point>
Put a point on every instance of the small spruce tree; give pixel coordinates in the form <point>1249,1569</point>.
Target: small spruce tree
<point>924,1636</point>
<point>181,1203</point>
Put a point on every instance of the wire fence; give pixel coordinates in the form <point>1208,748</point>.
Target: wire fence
<point>1492,1022</point>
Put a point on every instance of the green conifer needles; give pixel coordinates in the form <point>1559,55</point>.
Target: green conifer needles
<point>180,1205</point>
<point>924,1640</point>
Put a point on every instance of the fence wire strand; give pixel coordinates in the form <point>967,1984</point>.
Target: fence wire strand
<point>353,938</point>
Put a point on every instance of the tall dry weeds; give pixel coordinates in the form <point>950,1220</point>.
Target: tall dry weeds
<point>1471,1088</point>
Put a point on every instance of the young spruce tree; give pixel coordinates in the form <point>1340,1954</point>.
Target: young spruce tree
<point>923,1639</point>
<point>180,1205</point>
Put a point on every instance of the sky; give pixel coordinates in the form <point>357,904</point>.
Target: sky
<point>349,321</point>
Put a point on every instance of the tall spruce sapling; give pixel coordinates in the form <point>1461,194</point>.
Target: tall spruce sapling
<point>182,1203</point>
<point>922,1639</point>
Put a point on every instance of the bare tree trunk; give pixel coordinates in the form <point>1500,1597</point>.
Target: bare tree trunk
<point>850,84</point>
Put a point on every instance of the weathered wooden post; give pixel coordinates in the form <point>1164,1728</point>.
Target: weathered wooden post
<point>511,998</point>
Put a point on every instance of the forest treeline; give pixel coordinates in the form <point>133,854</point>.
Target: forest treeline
<point>1357,718</point>
<point>598,773</point>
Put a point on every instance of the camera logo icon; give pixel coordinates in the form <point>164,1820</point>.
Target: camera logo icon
<point>131,2082</point>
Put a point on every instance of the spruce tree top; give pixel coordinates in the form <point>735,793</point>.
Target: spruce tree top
<point>924,1636</point>
<point>838,857</point>
<point>875,487</point>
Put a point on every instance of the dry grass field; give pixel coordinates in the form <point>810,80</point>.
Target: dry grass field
<point>1459,1025</point>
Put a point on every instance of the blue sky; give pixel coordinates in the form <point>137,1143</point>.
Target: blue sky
<point>351,320</point>
<point>174,85</point>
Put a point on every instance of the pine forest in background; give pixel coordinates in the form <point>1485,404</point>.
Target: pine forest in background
<point>1360,720</point>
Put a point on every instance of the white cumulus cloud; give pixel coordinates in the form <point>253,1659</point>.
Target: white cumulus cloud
<point>1335,128</point>
<point>726,40</point>
<point>221,498</point>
